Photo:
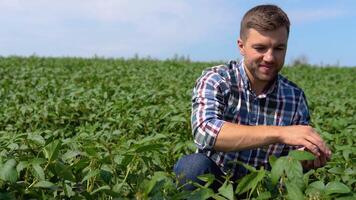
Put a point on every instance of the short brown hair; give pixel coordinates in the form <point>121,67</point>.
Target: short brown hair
<point>264,18</point>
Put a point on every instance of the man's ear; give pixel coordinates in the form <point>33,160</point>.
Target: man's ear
<point>241,46</point>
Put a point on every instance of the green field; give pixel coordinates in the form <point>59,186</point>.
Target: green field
<point>113,128</point>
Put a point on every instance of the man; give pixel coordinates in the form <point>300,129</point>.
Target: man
<point>247,111</point>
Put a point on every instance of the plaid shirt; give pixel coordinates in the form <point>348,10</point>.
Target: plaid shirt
<point>223,93</point>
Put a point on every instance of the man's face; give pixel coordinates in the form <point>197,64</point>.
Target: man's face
<point>264,53</point>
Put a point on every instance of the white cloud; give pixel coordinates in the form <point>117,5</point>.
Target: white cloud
<point>112,27</point>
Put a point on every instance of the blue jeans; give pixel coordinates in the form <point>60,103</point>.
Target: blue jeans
<point>189,167</point>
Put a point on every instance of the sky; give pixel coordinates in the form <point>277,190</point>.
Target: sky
<point>324,32</point>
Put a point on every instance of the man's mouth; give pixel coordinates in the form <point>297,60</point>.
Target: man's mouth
<point>266,68</point>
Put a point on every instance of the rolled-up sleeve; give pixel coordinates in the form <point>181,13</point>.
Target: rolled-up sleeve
<point>208,105</point>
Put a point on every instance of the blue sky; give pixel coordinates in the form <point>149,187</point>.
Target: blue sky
<point>204,30</point>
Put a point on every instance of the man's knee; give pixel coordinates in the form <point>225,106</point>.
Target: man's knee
<point>189,167</point>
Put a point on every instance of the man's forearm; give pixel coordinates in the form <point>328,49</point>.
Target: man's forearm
<point>234,137</point>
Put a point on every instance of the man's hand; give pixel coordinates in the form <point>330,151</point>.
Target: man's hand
<point>307,137</point>
<point>316,163</point>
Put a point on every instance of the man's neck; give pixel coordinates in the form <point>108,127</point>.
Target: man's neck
<point>257,86</point>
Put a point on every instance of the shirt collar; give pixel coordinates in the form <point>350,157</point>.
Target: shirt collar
<point>246,82</point>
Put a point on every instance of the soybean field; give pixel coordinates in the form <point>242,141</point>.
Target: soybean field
<point>100,128</point>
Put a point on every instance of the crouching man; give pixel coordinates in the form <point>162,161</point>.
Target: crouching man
<point>246,111</point>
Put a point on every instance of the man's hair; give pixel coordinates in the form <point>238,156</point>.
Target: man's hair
<point>264,18</point>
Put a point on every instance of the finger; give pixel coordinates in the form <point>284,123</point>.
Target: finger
<point>319,144</point>
<point>316,135</point>
<point>316,140</point>
<point>322,159</point>
<point>312,148</point>
<point>328,157</point>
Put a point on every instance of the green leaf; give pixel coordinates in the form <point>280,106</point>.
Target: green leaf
<point>250,181</point>
<point>7,195</point>
<point>214,196</point>
<point>70,154</point>
<point>208,178</point>
<point>307,175</point>
<point>294,172</point>
<point>248,167</point>
<point>272,159</point>
<point>317,185</point>
<point>51,150</point>
<point>118,159</point>
<point>264,195</point>
<point>301,155</point>
<point>294,192</point>
<point>277,169</point>
<point>91,151</point>
<point>150,139</point>
<point>13,146</point>
<point>350,171</point>
<point>105,187</point>
<point>125,161</point>
<point>202,193</point>
<point>346,153</point>
<point>315,188</point>
<point>149,147</point>
<point>68,190</point>
<point>44,184</point>
<point>178,118</point>
<point>186,195</point>
<point>38,161</point>
<point>260,175</point>
<point>22,165</point>
<point>336,187</point>
<point>226,190</point>
<point>63,171</point>
<point>337,170</point>
<point>37,139</point>
<point>158,176</point>
<point>117,187</point>
<point>8,171</point>
<point>90,174</point>
<point>243,185</point>
<point>106,176</point>
<point>38,171</point>
<point>348,197</point>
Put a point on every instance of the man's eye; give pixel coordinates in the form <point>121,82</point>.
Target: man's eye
<point>280,48</point>
<point>259,48</point>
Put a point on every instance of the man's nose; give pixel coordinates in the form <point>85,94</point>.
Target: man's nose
<point>269,56</point>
